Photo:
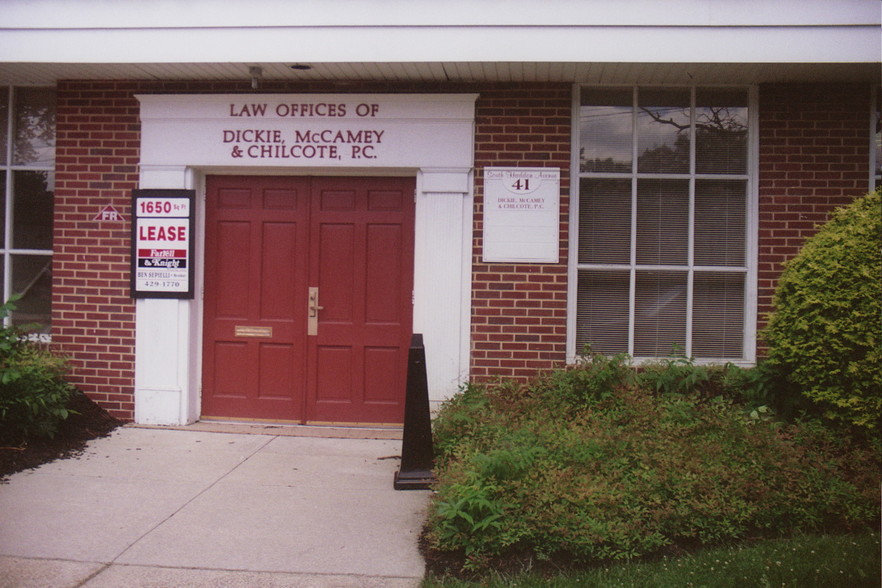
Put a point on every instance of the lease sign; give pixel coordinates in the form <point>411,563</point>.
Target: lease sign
<point>162,243</point>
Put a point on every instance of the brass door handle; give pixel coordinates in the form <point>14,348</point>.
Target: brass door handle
<point>313,310</point>
<point>313,302</point>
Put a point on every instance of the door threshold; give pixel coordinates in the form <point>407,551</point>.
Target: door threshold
<point>289,429</point>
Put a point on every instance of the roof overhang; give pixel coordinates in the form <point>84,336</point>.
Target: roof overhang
<point>591,41</point>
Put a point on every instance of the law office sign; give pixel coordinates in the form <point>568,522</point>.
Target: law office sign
<point>324,130</point>
<point>162,243</point>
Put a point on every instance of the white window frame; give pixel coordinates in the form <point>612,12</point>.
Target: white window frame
<point>875,180</point>
<point>6,165</point>
<point>751,229</point>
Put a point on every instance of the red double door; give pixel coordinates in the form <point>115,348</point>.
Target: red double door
<point>308,298</point>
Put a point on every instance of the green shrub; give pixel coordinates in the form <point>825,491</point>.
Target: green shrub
<point>467,417</point>
<point>33,392</point>
<point>566,470</point>
<point>761,389</point>
<point>824,335</point>
<point>678,375</point>
<point>592,379</point>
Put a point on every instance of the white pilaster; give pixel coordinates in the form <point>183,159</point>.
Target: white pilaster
<point>166,339</point>
<point>442,276</point>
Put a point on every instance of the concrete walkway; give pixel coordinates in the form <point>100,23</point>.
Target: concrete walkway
<point>182,508</point>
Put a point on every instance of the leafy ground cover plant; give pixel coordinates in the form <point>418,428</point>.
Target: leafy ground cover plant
<point>33,392</point>
<point>589,464</point>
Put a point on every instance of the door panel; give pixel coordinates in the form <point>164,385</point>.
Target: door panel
<point>234,261</point>
<point>381,364</point>
<point>268,241</point>
<point>276,373</point>
<point>278,274</point>
<point>363,266</point>
<point>337,271</point>
<point>255,275</point>
<point>231,361</point>
<point>383,275</point>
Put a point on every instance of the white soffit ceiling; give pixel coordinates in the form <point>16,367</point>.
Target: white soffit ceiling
<point>591,73</point>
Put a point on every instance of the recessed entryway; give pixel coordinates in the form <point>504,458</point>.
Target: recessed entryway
<point>308,298</point>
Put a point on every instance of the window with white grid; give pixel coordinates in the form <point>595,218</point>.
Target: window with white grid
<point>27,178</point>
<point>663,263</point>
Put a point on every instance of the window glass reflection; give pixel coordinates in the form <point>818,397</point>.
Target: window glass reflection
<point>32,210</point>
<point>663,131</point>
<point>721,131</point>
<point>606,127</point>
<point>32,280</point>
<point>34,122</point>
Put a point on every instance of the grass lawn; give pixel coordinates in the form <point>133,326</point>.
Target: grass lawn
<point>851,561</point>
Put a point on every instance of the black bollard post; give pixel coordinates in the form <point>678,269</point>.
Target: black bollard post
<point>417,452</point>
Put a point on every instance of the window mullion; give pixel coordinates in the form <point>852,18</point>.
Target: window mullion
<point>7,204</point>
<point>632,273</point>
<point>751,227</point>
<point>690,245</point>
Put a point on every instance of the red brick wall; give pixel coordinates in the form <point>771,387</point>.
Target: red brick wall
<point>519,310</point>
<point>93,318</point>
<point>97,154</point>
<point>814,156</point>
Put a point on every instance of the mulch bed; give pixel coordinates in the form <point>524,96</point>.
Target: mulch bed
<point>90,422</point>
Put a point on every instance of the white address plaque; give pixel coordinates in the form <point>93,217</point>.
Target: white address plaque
<point>521,214</point>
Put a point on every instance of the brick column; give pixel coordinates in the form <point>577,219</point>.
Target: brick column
<point>519,310</point>
<point>814,156</point>
<point>93,319</point>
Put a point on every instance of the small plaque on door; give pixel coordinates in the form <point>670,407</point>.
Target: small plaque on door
<point>243,331</point>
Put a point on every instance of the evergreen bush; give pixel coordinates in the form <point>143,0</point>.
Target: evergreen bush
<point>825,334</point>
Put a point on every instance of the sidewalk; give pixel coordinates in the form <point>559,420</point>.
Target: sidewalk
<point>182,508</point>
